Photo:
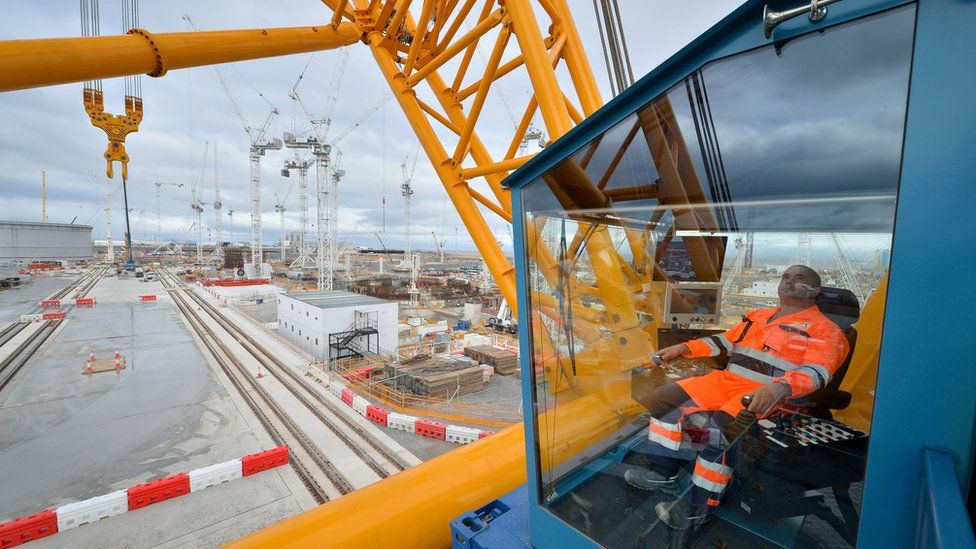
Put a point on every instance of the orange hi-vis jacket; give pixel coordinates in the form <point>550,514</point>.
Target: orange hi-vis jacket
<point>802,349</point>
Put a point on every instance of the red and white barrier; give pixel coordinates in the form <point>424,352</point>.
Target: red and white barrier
<point>359,404</point>
<point>403,422</point>
<point>85,302</point>
<point>72,515</point>
<point>336,388</point>
<point>460,435</point>
<point>145,298</point>
<point>51,303</point>
<point>54,316</point>
<point>32,318</point>
<point>213,475</point>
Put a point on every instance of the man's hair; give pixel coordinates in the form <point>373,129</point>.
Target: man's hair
<point>814,277</point>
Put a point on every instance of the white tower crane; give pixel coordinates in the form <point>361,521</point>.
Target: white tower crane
<point>407,192</point>
<point>218,251</point>
<point>258,147</point>
<point>197,206</point>
<point>110,253</point>
<point>160,246</point>
<point>303,248</point>
<point>327,255</point>
<point>280,208</point>
<point>230,215</point>
<point>439,245</point>
<point>326,226</point>
<point>414,292</point>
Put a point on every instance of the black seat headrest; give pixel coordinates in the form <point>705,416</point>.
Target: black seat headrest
<point>839,305</point>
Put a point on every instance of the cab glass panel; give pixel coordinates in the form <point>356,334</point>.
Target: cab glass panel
<point>729,239</point>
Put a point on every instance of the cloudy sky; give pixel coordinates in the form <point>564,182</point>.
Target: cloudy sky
<point>48,129</point>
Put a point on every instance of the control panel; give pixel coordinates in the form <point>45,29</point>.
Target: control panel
<point>693,303</point>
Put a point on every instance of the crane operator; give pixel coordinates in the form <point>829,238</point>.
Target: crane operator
<point>787,351</point>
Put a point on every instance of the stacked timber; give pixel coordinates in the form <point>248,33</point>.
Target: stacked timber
<point>504,362</point>
<point>437,376</point>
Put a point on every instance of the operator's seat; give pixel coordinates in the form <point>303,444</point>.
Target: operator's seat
<point>840,306</point>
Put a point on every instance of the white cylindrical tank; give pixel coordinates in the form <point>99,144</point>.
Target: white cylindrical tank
<point>472,311</point>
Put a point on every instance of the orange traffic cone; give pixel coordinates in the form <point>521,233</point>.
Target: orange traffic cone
<point>260,375</point>
<point>91,357</point>
<point>118,363</point>
<point>88,368</point>
<point>117,355</point>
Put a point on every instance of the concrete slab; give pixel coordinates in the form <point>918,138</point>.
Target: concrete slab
<point>24,298</point>
<point>65,436</point>
<point>355,470</point>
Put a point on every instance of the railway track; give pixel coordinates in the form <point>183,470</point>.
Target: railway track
<point>322,478</point>
<point>13,363</point>
<point>327,411</point>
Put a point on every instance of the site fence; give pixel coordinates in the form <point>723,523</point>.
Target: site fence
<point>356,373</point>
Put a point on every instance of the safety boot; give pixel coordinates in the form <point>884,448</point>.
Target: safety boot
<point>650,480</point>
<point>680,515</point>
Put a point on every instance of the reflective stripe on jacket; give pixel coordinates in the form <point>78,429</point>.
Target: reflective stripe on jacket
<point>803,349</point>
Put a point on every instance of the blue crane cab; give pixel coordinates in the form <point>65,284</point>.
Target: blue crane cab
<point>656,246</point>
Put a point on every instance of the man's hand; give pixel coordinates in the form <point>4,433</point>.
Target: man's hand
<point>767,396</point>
<point>668,354</point>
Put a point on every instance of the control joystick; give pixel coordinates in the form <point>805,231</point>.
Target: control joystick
<point>743,420</point>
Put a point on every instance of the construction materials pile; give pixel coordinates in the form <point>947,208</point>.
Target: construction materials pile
<point>437,376</point>
<point>504,362</point>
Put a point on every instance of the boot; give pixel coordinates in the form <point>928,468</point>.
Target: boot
<point>650,480</point>
<point>680,515</point>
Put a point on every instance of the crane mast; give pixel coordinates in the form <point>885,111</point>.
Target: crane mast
<point>159,223</point>
<point>218,251</point>
<point>301,166</point>
<point>110,252</point>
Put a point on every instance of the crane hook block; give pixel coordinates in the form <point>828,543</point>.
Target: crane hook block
<point>115,126</point>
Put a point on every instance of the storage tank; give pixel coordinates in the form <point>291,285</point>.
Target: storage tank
<point>472,311</point>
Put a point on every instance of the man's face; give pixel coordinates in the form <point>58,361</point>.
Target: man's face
<point>797,284</point>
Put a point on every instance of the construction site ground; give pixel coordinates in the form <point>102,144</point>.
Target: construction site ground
<point>65,436</point>
<point>22,299</point>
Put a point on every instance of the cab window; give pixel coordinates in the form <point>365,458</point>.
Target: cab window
<point>729,239</point>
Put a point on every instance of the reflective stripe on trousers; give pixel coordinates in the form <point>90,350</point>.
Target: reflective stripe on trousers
<point>711,476</point>
<point>665,434</point>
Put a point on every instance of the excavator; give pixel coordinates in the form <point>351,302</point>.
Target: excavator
<point>614,309</point>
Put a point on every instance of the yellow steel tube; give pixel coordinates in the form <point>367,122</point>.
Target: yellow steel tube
<point>488,203</point>
<point>461,149</point>
<point>477,32</point>
<point>338,12</point>
<point>413,508</point>
<point>49,61</point>
<point>578,63</point>
<point>522,128</point>
<point>477,227</point>
<point>497,167</point>
<point>439,117</point>
<point>543,77</point>
<point>502,71</point>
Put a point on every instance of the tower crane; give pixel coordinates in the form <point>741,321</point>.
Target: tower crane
<point>280,208</point>
<point>259,145</point>
<point>327,256</point>
<point>218,251</point>
<point>160,247</point>
<point>407,191</point>
<point>439,245</point>
<point>110,251</point>
<point>230,216</point>
<point>198,204</point>
<point>301,165</point>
